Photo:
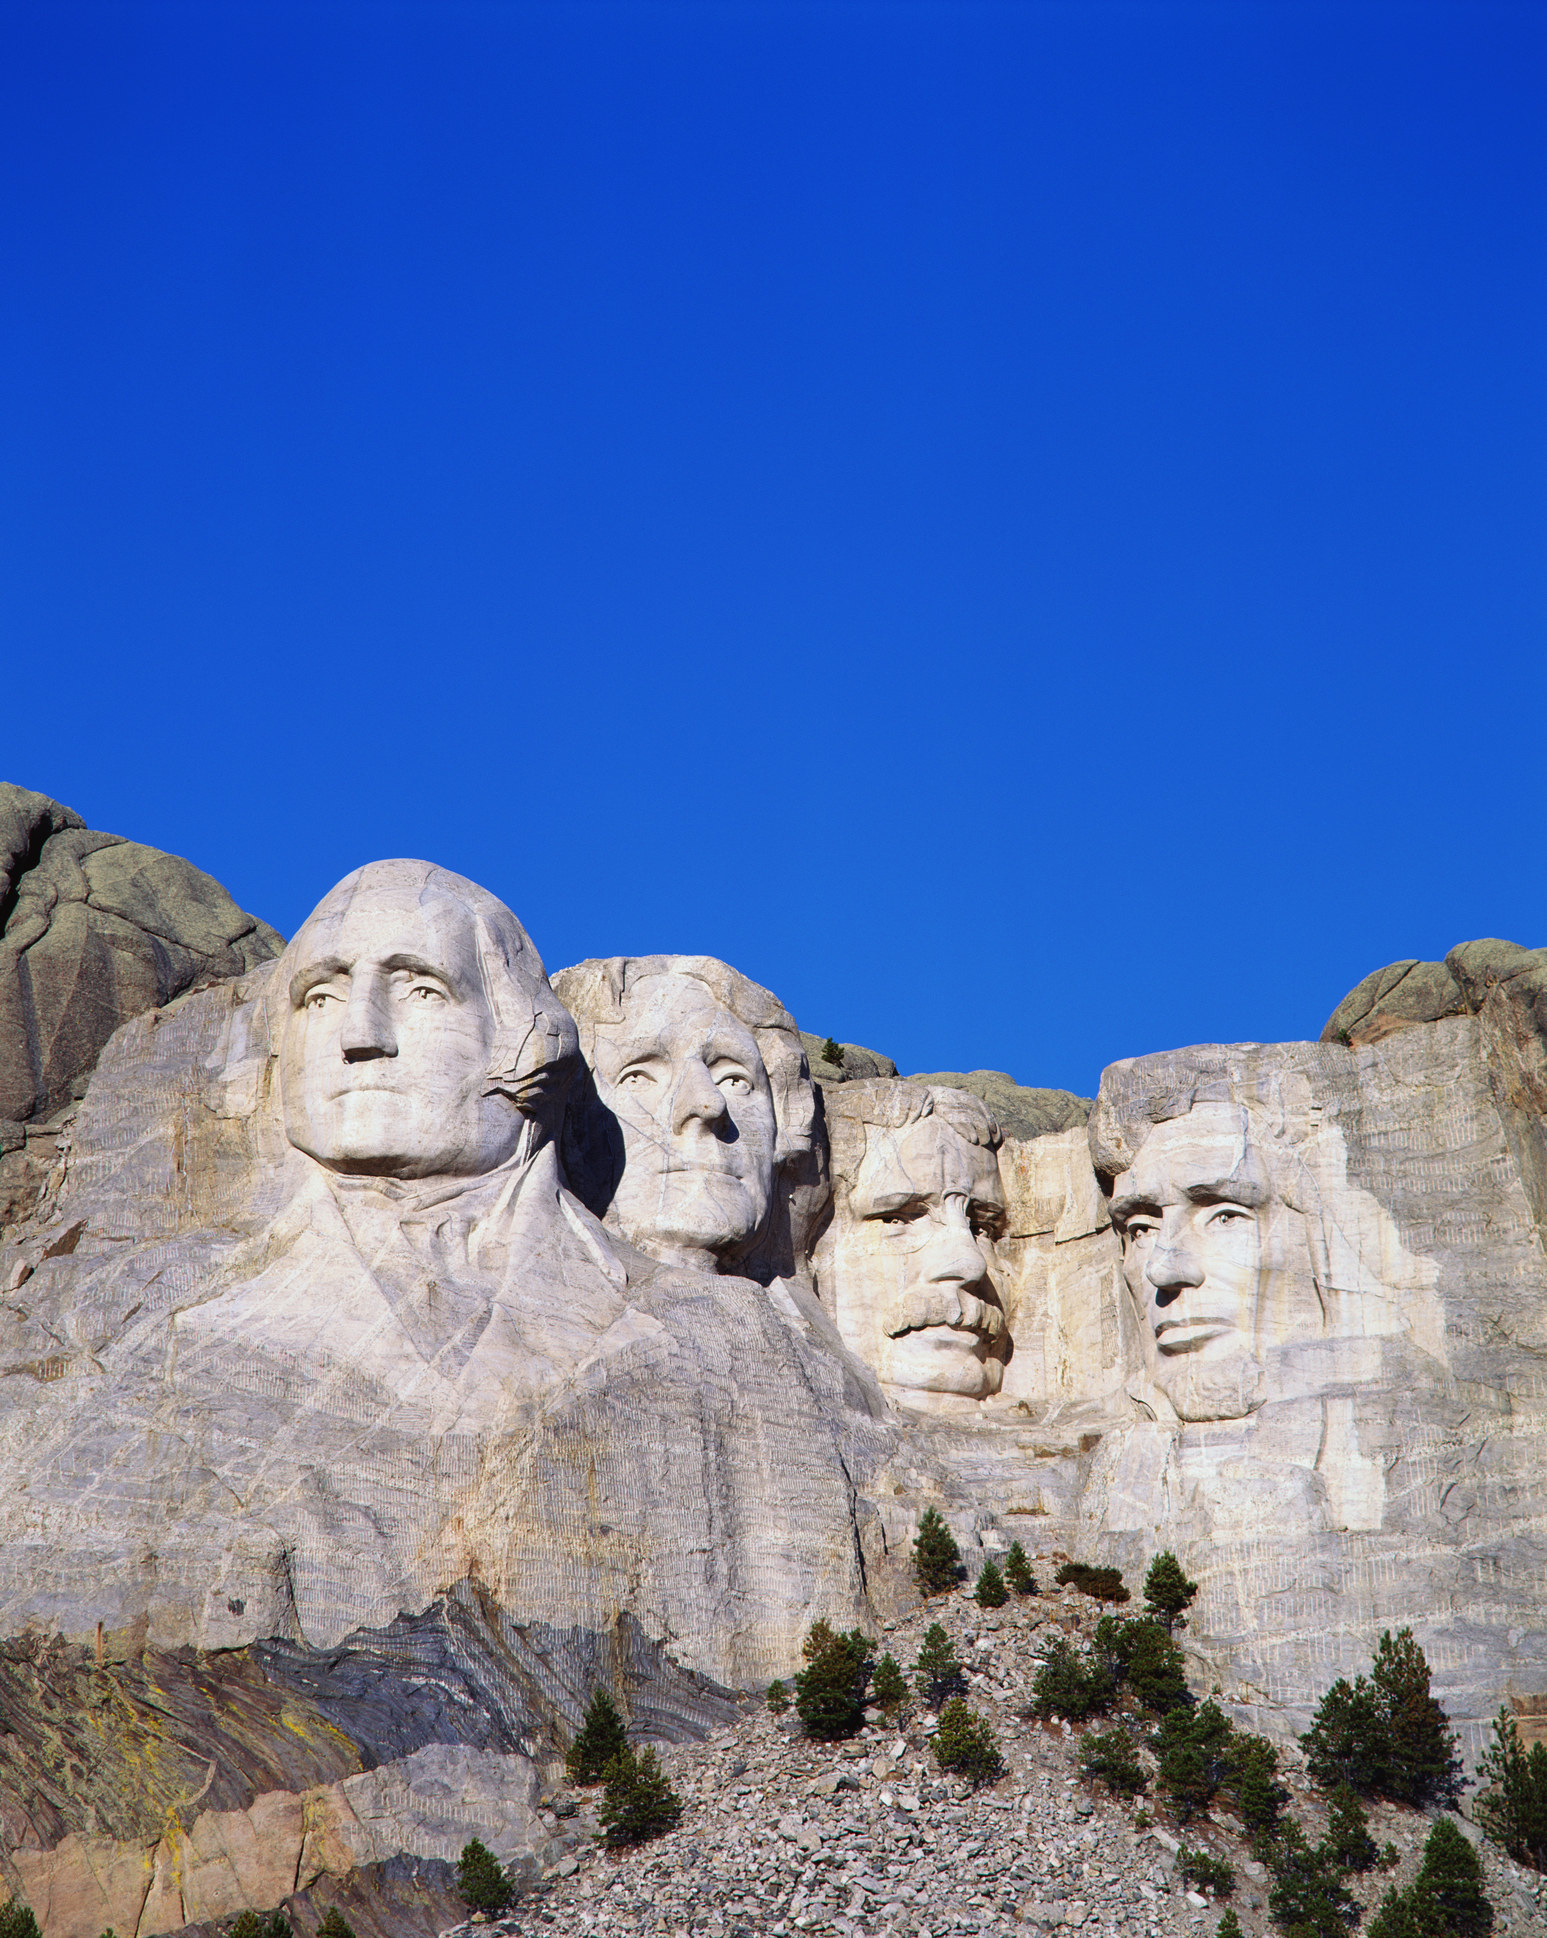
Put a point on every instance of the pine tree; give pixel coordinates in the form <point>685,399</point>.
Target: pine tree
<point>1451,1878</point>
<point>1345,1742</point>
<point>1150,1662</point>
<point>832,1052</point>
<point>483,1882</point>
<point>1192,1747</point>
<point>1071,1684</point>
<point>966,1745</point>
<point>937,1561</point>
<point>1107,1756</point>
<point>830,1690</point>
<point>1348,1838</point>
<point>990,1591</point>
<point>600,1738</point>
<point>1398,1917</point>
<point>638,1802</point>
<point>889,1686</point>
<point>334,1925</point>
<point>778,1698</point>
<point>1421,1761</point>
<point>1167,1591</point>
<point>17,1920</point>
<point>938,1674</point>
<point>1513,1805</point>
<point>253,1924</point>
<point>1308,1894</point>
<point>1229,1925</point>
<point>1251,1774</point>
<point>1017,1571</point>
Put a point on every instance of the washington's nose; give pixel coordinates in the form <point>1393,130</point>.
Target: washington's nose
<point>698,1097</point>
<point>952,1256</point>
<point>367,1031</point>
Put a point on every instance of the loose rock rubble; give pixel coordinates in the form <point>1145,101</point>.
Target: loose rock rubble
<point>866,1839</point>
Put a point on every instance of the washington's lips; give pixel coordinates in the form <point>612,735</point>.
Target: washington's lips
<point>1182,1335</point>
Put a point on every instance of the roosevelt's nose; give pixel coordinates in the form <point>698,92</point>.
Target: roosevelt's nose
<point>367,1030</point>
<point>952,1256</point>
<point>698,1097</point>
<point>1174,1264</point>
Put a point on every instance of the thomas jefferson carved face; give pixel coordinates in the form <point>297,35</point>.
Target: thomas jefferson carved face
<point>388,1039</point>
<point>1192,1211</point>
<point>909,1265</point>
<point>687,1084</point>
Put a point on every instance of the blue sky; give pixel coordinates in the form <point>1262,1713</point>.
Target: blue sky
<point>1020,526</point>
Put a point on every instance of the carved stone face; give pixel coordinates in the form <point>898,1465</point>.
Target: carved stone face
<point>1192,1211</point>
<point>387,1041</point>
<point>686,1082</point>
<point>911,1258</point>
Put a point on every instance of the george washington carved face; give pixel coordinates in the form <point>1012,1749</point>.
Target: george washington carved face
<point>416,1022</point>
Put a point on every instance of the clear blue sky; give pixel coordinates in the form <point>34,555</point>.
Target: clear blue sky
<point>1020,526</point>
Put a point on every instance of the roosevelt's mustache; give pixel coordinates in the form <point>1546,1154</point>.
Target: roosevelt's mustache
<point>944,1305</point>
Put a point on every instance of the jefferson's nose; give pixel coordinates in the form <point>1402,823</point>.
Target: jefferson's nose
<point>952,1257</point>
<point>367,1029</point>
<point>698,1096</point>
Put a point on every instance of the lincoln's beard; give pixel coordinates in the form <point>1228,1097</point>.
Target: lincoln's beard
<point>1225,1385</point>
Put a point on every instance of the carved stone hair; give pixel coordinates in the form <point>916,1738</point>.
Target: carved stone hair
<point>892,1103</point>
<point>536,1048</point>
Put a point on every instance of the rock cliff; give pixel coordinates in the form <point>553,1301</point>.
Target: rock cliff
<point>401,1345</point>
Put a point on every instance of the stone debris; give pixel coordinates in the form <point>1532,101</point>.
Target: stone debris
<point>866,1839</point>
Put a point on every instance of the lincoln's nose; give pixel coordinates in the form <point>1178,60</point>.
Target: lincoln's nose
<point>1174,1267</point>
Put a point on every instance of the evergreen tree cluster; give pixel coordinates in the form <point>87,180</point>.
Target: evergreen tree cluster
<point>830,1690</point>
<point>258,1924</point>
<point>1101,1584</point>
<point>17,1920</point>
<point>1386,1736</point>
<point>966,1745</point>
<point>638,1802</point>
<point>937,1561</point>
<point>1445,1900</point>
<point>1110,1756</point>
<point>1512,1806</point>
<point>484,1882</point>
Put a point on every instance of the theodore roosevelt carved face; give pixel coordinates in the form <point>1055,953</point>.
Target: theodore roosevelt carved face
<point>907,1265</point>
<point>1192,1211</point>
<point>686,1081</point>
<point>417,1027</point>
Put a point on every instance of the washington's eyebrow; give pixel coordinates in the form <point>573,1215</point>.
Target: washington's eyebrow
<point>319,969</point>
<point>418,966</point>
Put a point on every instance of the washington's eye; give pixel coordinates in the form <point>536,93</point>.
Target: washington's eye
<point>426,992</point>
<point>319,999</point>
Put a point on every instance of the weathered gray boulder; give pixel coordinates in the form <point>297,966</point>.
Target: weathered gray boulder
<point>1022,1111</point>
<point>93,930</point>
<point>857,1063</point>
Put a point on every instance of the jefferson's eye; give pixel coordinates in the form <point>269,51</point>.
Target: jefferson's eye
<point>737,1083</point>
<point>904,1215</point>
<point>637,1078</point>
